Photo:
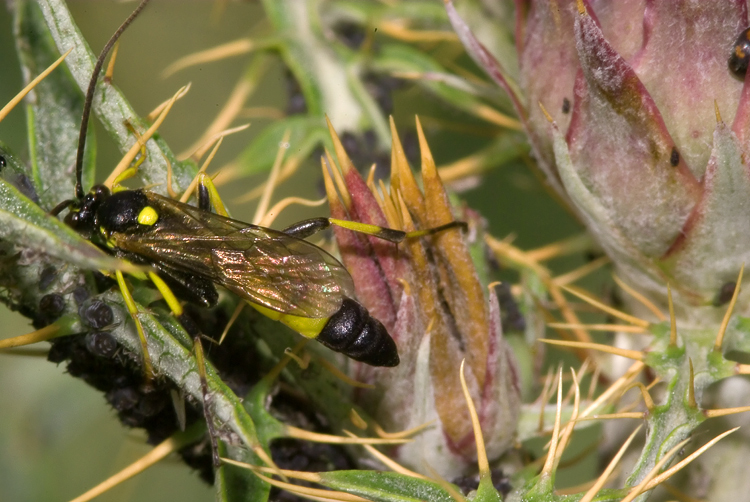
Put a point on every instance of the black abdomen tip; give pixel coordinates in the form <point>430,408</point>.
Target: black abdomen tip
<point>355,333</point>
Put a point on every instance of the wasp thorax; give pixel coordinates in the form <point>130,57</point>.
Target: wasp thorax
<point>119,212</point>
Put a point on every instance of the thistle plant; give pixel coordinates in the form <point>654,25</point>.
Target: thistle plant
<point>653,166</point>
<point>649,154</point>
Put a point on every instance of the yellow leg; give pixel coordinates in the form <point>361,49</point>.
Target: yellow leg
<point>167,294</point>
<point>206,183</point>
<point>200,360</point>
<point>133,310</point>
<point>131,171</point>
<point>307,228</point>
<point>390,234</point>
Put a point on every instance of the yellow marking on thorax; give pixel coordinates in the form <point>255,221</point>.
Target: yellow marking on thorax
<point>148,216</point>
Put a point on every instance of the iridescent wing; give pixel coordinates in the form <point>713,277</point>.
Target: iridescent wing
<point>262,265</point>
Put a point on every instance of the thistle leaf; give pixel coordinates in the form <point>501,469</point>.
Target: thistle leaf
<point>306,133</point>
<point>53,112</point>
<point>110,104</point>
<point>27,226</point>
<point>386,486</point>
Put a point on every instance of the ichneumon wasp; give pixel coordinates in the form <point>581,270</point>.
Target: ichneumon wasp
<point>189,250</point>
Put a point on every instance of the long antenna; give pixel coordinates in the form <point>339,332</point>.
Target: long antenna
<point>90,95</point>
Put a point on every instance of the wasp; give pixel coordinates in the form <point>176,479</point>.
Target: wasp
<point>281,275</point>
<point>191,250</point>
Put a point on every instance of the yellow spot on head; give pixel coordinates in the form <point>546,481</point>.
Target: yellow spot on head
<point>148,216</point>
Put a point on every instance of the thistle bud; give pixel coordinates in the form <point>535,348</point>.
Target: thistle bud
<point>644,131</point>
<point>427,293</point>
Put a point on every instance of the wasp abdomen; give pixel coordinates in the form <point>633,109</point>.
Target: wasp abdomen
<point>355,333</point>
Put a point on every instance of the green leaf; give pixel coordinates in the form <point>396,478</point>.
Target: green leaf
<point>173,360</point>
<point>398,57</point>
<point>306,133</point>
<point>328,77</point>
<point>53,111</point>
<point>27,226</point>
<point>486,492</point>
<point>234,484</point>
<point>17,174</point>
<point>385,486</point>
<point>110,105</point>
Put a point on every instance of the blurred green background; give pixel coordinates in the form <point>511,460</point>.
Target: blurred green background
<point>58,438</point>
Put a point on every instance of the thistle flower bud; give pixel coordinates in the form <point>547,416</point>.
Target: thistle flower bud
<point>427,293</point>
<point>642,126</point>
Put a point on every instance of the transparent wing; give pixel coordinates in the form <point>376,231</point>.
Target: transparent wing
<point>259,264</point>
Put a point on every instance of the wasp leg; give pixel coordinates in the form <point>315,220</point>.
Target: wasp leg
<point>132,170</point>
<point>190,327</point>
<point>208,196</point>
<point>133,311</point>
<point>306,228</point>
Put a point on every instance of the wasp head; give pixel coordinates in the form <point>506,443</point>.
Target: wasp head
<point>82,215</point>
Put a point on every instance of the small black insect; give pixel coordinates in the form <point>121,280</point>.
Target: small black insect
<point>674,157</point>
<point>725,294</point>
<point>123,399</point>
<point>47,277</point>
<point>350,34</point>
<point>740,56</point>
<point>3,163</point>
<point>101,343</point>
<point>52,306</point>
<point>97,314</point>
<point>80,295</point>
<point>566,106</point>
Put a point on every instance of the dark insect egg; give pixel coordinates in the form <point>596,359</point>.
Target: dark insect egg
<point>3,162</point>
<point>740,56</point>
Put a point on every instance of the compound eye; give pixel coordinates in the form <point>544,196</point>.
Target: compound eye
<point>100,192</point>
